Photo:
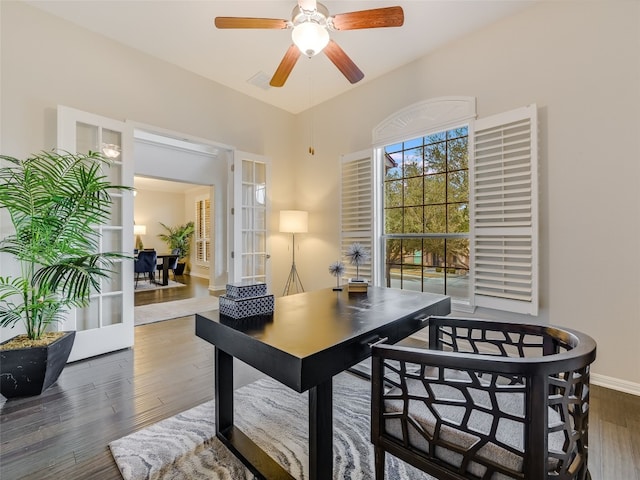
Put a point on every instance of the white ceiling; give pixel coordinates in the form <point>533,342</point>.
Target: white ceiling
<point>182,32</point>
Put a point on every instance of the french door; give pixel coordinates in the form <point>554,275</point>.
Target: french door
<point>251,194</point>
<point>106,324</point>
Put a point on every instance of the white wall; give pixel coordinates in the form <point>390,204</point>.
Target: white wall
<point>580,63</point>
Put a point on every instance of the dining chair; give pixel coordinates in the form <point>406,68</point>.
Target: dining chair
<point>146,263</point>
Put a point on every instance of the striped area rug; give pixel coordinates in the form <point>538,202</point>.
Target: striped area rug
<point>273,416</point>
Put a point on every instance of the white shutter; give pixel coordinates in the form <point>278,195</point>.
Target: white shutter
<point>504,219</point>
<point>356,210</point>
<point>202,228</point>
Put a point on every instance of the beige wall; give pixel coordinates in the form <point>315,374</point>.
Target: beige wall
<point>151,207</point>
<point>580,63</point>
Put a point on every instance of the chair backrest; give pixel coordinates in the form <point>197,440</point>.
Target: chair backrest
<point>146,261</point>
<point>173,263</point>
<point>492,396</point>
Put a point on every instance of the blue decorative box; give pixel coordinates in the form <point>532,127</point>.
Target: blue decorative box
<point>246,307</point>
<point>246,290</point>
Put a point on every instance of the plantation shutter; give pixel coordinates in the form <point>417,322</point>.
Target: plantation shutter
<point>504,218</point>
<point>203,227</point>
<point>356,210</point>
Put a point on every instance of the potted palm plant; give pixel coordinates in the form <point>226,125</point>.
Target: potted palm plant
<point>54,201</point>
<point>179,239</point>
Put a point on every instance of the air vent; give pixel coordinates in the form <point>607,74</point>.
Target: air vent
<point>260,80</point>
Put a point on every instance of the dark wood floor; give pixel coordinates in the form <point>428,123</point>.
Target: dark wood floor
<point>63,433</point>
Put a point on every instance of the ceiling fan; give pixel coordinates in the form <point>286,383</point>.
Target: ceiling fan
<point>311,23</point>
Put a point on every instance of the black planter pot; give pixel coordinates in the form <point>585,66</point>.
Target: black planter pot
<point>30,371</point>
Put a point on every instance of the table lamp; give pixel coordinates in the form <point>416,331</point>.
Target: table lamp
<point>137,231</point>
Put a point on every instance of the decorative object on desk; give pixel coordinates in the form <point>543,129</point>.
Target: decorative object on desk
<point>179,238</point>
<point>246,300</point>
<point>137,231</point>
<point>337,269</point>
<point>357,256</point>
<point>54,201</point>
<point>294,221</point>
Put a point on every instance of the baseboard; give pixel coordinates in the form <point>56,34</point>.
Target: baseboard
<point>615,384</point>
<point>217,288</point>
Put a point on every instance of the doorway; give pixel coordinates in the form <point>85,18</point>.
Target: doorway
<point>160,202</point>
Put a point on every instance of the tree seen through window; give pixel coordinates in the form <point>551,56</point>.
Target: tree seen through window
<point>426,213</point>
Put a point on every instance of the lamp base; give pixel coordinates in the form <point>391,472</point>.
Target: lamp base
<point>293,282</point>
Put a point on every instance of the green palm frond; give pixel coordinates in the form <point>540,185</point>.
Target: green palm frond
<point>54,200</point>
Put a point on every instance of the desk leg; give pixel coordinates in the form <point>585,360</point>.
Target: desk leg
<point>165,271</point>
<point>223,390</point>
<point>321,431</point>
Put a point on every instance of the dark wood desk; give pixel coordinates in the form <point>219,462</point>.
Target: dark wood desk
<point>311,337</point>
<point>166,260</point>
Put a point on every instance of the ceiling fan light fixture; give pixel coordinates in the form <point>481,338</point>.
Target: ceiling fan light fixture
<point>310,38</point>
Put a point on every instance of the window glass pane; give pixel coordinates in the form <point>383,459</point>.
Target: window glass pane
<point>413,191</point>
<point>260,242</point>
<point>412,163</point>
<point>393,260</point>
<point>434,261</point>
<point>458,186</point>
<point>434,189</point>
<point>434,219</point>
<point>111,310</point>
<point>457,154</point>
<point>247,218</point>
<point>412,220</point>
<point>393,192</point>
<point>247,171</point>
<point>392,166</point>
<point>247,265</point>
<point>393,220</point>
<point>88,317</point>
<point>113,283</point>
<point>248,195</point>
<point>435,158</point>
<point>458,218</point>
<point>435,137</point>
<point>458,268</point>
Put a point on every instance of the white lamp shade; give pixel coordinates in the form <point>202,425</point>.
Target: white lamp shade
<point>139,229</point>
<point>310,38</point>
<point>294,221</point>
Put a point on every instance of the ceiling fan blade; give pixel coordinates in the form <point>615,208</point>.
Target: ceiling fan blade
<point>286,65</point>
<point>375,18</point>
<point>343,62</point>
<point>247,22</point>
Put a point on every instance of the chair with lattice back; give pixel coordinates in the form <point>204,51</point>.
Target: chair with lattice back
<point>485,401</point>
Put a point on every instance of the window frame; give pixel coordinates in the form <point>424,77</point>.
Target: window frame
<point>442,114</point>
